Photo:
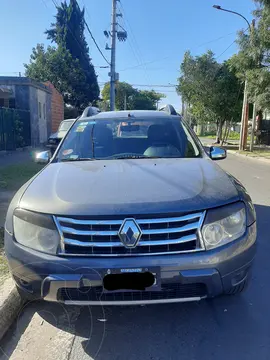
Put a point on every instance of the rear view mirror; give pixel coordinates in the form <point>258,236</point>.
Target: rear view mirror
<point>217,153</point>
<point>42,157</point>
<point>130,128</point>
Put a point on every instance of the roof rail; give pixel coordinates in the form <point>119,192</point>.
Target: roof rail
<point>169,109</point>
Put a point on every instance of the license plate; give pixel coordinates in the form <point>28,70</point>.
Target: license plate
<point>155,271</point>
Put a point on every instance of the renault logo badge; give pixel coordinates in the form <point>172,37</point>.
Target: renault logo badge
<point>130,233</point>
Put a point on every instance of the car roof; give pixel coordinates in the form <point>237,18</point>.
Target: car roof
<point>132,115</point>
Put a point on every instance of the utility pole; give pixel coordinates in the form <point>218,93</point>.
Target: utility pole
<point>253,127</point>
<point>125,101</point>
<point>183,107</point>
<point>113,50</point>
<point>245,109</point>
<point>244,120</point>
<point>122,36</point>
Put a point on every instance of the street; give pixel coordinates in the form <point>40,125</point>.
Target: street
<point>223,328</point>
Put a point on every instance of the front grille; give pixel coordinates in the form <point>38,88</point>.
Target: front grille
<point>81,236</point>
<point>168,291</point>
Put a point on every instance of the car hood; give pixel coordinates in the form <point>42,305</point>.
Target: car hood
<point>129,187</point>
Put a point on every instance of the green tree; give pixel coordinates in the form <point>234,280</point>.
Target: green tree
<point>146,99</point>
<point>212,90</point>
<point>68,66</point>
<point>123,90</point>
<point>135,99</point>
<point>58,66</point>
<point>253,59</point>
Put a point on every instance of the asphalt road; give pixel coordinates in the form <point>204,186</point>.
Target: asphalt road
<point>224,328</point>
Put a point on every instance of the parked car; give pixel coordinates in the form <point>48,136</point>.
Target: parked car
<point>127,220</point>
<point>56,137</point>
<point>65,125</point>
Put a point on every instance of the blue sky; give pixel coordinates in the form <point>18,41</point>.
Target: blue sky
<point>159,33</point>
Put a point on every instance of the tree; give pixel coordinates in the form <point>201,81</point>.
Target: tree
<point>58,66</point>
<point>135,99</point>
<point>146,99</point>
<point>68,66</point>
<point>212,90</point>
<point>253,59</point>
<point>123,90</point>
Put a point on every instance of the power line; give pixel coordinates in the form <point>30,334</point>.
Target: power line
<point>74,37</point>
<point>214,40</point>
<point>147,63</point>
<point>44,3</point>
<point>56,5</point>
<point>101,53</point>
<point>139,57</point>
<point>145,85</point>
<point>226,50</point>
<point>92,37</point>
<point>86,10</point>
<point>228,47</point>
<point>90,19</point>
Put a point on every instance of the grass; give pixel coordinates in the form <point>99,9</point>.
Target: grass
<point>257,153</point>
<point>12,177</point>
<point>232,136</point>
<point>3,260</point>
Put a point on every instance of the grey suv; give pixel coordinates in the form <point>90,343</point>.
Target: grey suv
<point>131,210</point>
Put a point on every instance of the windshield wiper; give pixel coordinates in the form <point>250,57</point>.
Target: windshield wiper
<point>135,157</point>
<point>129,157</point>
<point>78,159</point>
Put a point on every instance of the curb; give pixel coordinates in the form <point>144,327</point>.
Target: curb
<point>257,158</point>
<point>10,305</point>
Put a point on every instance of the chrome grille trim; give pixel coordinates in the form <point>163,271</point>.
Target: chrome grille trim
<point>88,233</point>
<point>192,226</point>
<point>83,237</point>
<point>139,221</point>
<point>130,255</point>
<point>92,244</point>
<point>89,222</point>
<point>141,243</point>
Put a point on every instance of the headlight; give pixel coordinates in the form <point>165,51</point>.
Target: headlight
<point>224,225</point>
<point>36,231</point>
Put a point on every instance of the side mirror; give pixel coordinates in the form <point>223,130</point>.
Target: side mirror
<point>42,157</point>
<point>217,153</point>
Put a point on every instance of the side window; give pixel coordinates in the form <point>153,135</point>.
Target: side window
<point>192,149</point>
<point>44,111</point>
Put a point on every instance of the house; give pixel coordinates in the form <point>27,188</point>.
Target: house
<point>39,107</point>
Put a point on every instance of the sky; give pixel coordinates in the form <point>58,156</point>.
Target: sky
<point>159,33</point>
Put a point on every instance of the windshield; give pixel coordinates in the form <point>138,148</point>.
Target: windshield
<point>118,139</point>
<point>65,125</point>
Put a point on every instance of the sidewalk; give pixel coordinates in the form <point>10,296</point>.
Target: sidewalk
<point>15,169</point>
<point>260,153</point>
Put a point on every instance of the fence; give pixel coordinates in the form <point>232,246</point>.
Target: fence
<point>15,128</point>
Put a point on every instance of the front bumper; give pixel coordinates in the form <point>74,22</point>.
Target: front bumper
<point>183,277</point>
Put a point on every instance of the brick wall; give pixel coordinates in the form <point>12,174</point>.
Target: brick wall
<point>57,109</point>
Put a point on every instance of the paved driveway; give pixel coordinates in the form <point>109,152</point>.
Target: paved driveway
<point>224,328</point>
